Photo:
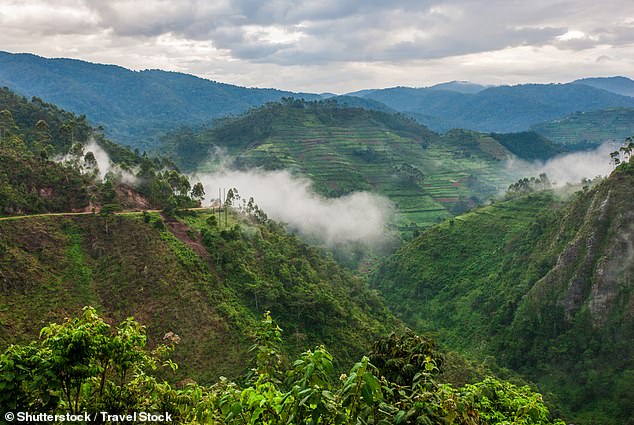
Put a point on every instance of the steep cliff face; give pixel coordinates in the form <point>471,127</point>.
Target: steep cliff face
<point>594,270</point>
<point>544,286</point>
<point>573,330</point>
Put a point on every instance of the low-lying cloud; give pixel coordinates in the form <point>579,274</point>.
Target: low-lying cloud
<point>569,168</point>
<point>104,164</point>
<point>357,217</point>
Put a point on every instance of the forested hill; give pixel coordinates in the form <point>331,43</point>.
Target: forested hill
<point>197,284</point>
<point>207,283</point>
<point>618,85</point>
<point>133,106</point>
<point>497,109</point>
<point>542,285</point>
<point>52,160</point>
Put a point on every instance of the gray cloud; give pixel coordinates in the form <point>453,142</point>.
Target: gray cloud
<point>290,32</point>
<point>569,168</point>
<point>302,45</point>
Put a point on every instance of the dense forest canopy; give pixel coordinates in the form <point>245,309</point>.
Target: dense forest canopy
<point>51,158</point>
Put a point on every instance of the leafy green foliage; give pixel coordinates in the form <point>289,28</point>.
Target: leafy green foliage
<point>406,359</point>
<point>84,366</point>
<point>528,185</point>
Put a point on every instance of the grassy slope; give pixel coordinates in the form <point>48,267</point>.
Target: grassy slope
<point>590,127</point>
<point>52,266</point>
<point>545,289</point>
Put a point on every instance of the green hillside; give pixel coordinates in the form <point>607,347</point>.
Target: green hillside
<point>529,145</point>
<point>50,159</point>
<point>209,290</point>
<point>591,128</point>
<point>209,282</point>
<point>543,286</point>
<point>70,283</point>
<point>428,176</point>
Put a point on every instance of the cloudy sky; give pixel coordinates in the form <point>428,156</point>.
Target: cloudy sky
<point>334,45</point>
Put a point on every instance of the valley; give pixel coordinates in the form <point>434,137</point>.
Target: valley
<point>525,285</point>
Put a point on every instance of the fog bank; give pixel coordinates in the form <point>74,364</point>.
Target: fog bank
<point>569,168</point>
<point>358,217</point>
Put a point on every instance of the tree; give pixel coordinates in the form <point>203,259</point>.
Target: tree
<point>82,365</point>
<point>232,195</point>
<point>67,134</point>
<point>90,163</point>
<point>42,132</point>
<point>107,210</point>
<point>212,221</point>
<point>198,192</point>
<point>627,148</point>
<point>7,124</point>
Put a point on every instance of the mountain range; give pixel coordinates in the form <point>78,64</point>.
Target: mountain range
<point>497,109</point>
<point>136,107</point>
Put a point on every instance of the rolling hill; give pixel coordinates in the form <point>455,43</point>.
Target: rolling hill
<point>52,160</point>
<point>136,107</point>
<point>591,128</point>
<point>618,85</point>
<point>210,291</point>
<point>208,283</point>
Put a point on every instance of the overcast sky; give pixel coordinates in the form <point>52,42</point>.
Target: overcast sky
<point>334,45</point>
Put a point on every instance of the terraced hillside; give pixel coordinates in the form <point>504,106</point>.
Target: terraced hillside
<point>428,176</point>
<point>593,127</point>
